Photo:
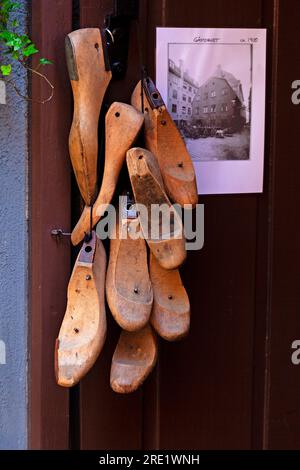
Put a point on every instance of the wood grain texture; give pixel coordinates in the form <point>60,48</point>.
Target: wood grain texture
<point>89,80</point>
<point>165,240</point>
<point>133,360</point>
<point>163,139</point>
<point>49,207</point>
<point>128,288</point>
<point>83,330</point>
<point>123,124</point>
<point>170,315</point>
<point>93,12</point>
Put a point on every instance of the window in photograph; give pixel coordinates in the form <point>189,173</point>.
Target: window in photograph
<point>174,108</point>
<point>175,94</point>
<point>213,94</point>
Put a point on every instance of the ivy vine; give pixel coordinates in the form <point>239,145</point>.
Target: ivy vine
<point>18,48</point>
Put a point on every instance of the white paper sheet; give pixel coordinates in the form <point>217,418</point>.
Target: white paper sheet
<point>213,83</point>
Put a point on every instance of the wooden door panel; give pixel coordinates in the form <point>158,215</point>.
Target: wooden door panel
<point>230,384</point>
<point>212,369</point>
<point>50,207</point>
<point>283,378</point>
<point>205,382</point>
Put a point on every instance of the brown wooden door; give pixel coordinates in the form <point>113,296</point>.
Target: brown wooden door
<point>231,383</point>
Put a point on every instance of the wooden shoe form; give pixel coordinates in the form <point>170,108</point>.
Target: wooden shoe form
<point>128,288</point>
<point>83,330</point>
<point>148,189</point>
<point>164,140</point>
<point>123,124</point>
<point>133,360</point>
<point>89,81</point>
<point>171,307</point>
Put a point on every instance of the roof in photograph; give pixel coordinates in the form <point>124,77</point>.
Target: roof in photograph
<point>233,82</point>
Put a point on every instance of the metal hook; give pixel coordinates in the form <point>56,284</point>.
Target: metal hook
<point>128,206</point>
<point>88,236</point>
<point>110,35</point>
<point>58,233</point>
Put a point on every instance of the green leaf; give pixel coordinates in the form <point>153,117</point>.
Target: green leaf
<point>13,40</point>
<point>15,5</point>
<point>44,61</point>
<point>7,6</point>
<point>25,39</point>
<point>6,35</point>
<point>5,70</point>
<point>16,44</point>
<point>15,23</point>
<point>15,55</point>
<point>30,50</point>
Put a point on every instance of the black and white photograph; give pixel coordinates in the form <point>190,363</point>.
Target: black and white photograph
<point>213,83</point>
<point>209,97</point>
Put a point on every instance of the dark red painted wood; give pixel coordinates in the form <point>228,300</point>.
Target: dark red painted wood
<point>283,378</point>
<point>50,199</point>
<point>205,391</point>
<point>207,379</point>
<point>264,239</point>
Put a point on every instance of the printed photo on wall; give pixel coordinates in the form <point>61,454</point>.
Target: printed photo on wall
<point>213,83</point>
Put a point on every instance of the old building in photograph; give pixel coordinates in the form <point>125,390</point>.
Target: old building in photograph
<point>219,102</point>
<point>182,91</point>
